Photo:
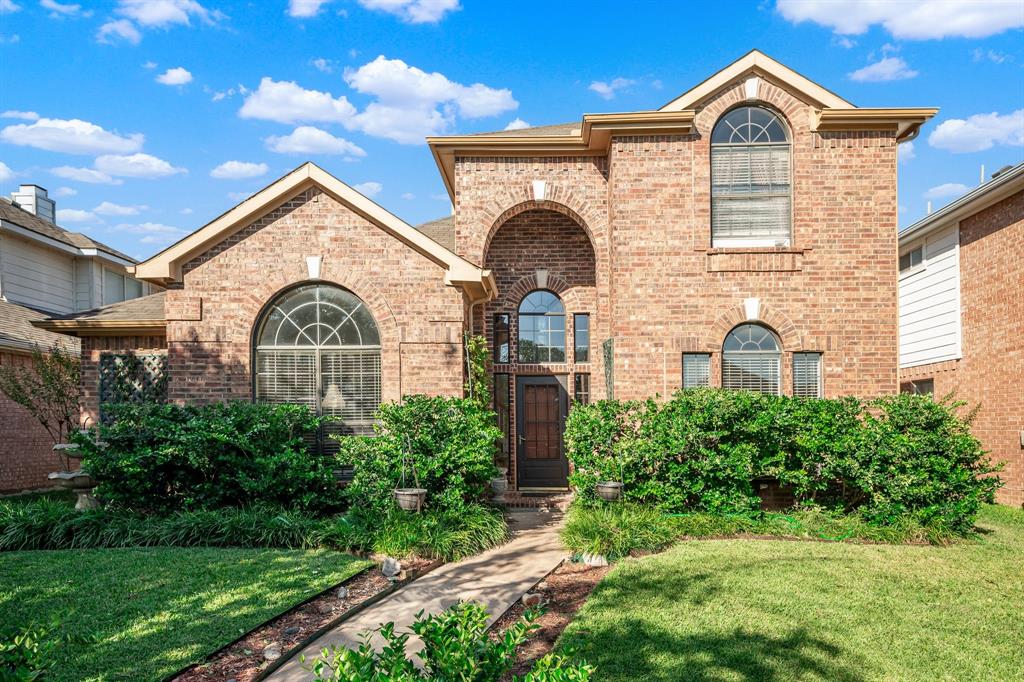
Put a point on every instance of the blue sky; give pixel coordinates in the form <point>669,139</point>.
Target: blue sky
<point>148,118</point>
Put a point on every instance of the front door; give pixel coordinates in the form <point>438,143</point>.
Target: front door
<point>541,409</point>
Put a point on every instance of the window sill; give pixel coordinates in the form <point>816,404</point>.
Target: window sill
<point>755,259</point>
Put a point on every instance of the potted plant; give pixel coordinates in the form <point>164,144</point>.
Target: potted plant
<point>410,499</point>
<point>611,491</point>
<point>500,482</point>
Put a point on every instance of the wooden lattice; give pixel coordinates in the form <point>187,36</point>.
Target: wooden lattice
<point>132,378</point>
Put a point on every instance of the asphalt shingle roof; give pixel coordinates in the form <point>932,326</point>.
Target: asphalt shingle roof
<point>441,230</point>
<point>13,213</point>
<point>17,332</point>
<point>143,308</point>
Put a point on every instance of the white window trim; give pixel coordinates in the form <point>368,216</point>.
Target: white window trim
<point>914,269</point>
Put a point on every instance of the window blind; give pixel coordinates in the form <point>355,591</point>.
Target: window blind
<point>750,193</point>
<point>696,370</point>
<point>807,375</point>
<point>350,390</point>
<point>751,371</point>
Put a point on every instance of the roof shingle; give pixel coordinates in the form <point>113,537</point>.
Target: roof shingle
<point>13,213</point>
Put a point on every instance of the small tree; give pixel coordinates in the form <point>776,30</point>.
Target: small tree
<point>50,389</point>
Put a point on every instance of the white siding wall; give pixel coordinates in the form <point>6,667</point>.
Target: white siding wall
<point>84,291</point>
<point>36,276</point>
<point>929,300</point>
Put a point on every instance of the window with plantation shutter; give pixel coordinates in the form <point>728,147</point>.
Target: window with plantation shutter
<point>752,360</point>
<point>750,180</point>
<point>807,375</point>
<point>696,370</point>
<point>318,345</point>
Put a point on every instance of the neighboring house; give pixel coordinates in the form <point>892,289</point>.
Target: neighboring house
<point>743,235</point>
<point>962,314</point>
<point>45,270</point>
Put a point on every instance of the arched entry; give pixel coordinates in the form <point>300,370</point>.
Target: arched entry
<point>318,345</point>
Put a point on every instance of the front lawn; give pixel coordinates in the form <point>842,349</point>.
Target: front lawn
<point>785,610</point>
<point>151,611</point>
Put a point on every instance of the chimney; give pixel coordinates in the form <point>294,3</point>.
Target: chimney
<point>35,200</point>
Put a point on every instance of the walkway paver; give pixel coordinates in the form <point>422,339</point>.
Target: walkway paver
<point>497,579</point>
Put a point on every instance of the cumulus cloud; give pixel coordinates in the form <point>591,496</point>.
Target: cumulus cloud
<point>408,196</point>
<point>414,11</point>
<point>310,140</point>
<point>323,65</point>
<point>186,211</point>
<point>5,172</point>
<point>239,196</point>
<point>236,170</point>
<point>905,152</point>
<point>370,189</point>
<point>154,233</point>
<point>23,115</point>
<point>607,90</point>
<point>412,104</point>
<point>58,9</point>
<point>979,132</point>
<point>288,102</point>
<point>118,29</point>
<point>75,215</point>
<point>909,19</point>
<point>135,166</point>
<point>71,136</point>
<point>885,69</point>
<point>991,55</point>
<point>65,192</point>
<point>946,190</point>
<point>9,7</point>
<point>89,175</point>
<point>145,14</point>
<point>110,208</point>
<point>517,124</point>
<point>176,76</point>
<point>303,9</point>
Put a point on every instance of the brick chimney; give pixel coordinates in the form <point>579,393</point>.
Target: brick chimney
<point>36,201</point>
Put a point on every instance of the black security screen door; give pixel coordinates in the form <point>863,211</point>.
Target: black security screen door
<point>541,408</point>
<point>318,345</point>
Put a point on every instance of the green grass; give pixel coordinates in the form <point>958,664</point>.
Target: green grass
<point>151,611</point>
<point>781,610</point>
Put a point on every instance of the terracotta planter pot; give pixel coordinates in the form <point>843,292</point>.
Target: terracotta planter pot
<point>410,499</point>
<point>609,491</point>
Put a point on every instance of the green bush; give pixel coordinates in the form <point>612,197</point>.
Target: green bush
<point>456,646</point>
<point>615,530</point>
<point>888,459</point>
<point>449,443</point>
<point>168,457</point>
<point>436,533</point>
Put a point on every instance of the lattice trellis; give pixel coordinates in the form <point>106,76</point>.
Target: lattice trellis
<point>132,378</point>
<point>608,349</point>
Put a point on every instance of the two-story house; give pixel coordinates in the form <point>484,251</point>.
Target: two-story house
<point>45,270</point>
<point>742,235</point>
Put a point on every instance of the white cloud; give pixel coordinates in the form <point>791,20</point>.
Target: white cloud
<point>412,103</point>
<point>65,192</point>
<point>370,189</point>
<point>154,233</point>
<point>8,7</point>
<point>946,190</point>
<point>89,175</point>
<point>990,55</point>
<point>72,136</point>
<point>239,196</point>
<point>236,170</point>
<point>161,13</point>
<point>116,29</point>
<point>979,132</point>
<point>288,102</point>
<point>23,115</point>
<point>414,11</point>
<point>517,124</point>
<point>303,9</point>
<point>5,172</point>
<point>186,211</point>
<point>885,69</point>
<point>58,9</point>
<point>608,90</point>
<point>9,39</point>
<point>110,208</point>
<point>909,19</point>
<point>905,152</point>
<point>844,42</point>
<point>310,140</point>
<point>408,196</point>
<point>324,65</point>
<point>75,215</point>
<point>135,166</point>
<point>176,76</point>
<point>149,65</point>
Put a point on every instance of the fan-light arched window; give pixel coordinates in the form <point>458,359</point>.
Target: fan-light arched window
<point>752,359</point>
<point>750,179</point>
<point>541,328</point>
<point>318,345</point>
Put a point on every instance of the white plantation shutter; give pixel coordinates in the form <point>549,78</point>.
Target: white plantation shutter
<point>351,389</point>
<point>286,376</point>
<point>751,372</point>
<point>807,375</point>
<point>696,370</point>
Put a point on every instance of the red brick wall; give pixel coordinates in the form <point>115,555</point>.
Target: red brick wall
<point>93,347</point>
<point>26,450</point>
<point>211,318</point>
<point>991,371</point>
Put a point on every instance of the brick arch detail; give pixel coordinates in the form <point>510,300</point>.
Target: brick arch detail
<point>795,112</point>
<point>774,319</point>
<point>519,199</point>
<point>510,299</point>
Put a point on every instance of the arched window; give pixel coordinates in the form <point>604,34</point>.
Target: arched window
<point>750,179</point>
<point>541,328</point>
<point>318,345</point>
<point>752,359</point>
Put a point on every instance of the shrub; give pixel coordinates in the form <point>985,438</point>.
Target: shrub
<point>166,457</point>
<point>702,450</point>
<point>436,534</point>
<point>449,443</point>
<point>615,530</point>
<point>456,646</point>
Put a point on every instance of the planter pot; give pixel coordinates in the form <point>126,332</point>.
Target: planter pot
<point>410,499</point>
<point>610,491</point>
<point>499,483</point>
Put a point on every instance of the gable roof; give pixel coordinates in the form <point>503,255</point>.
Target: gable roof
<point>19,333</point>
<point>142,316</point>
<point>16,215</point>
<point>165,267</point>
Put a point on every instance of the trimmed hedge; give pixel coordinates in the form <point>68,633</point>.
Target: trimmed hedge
<point>162,458</point>
<point>701,451</point>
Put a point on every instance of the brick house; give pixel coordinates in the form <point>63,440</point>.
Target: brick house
<point>961,289</point>
<point>743,235</point>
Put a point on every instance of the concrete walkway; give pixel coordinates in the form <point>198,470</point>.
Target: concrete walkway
<point>497,579</point>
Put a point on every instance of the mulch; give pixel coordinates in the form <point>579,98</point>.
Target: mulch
<point>563,591</point>
<point>243,661</point>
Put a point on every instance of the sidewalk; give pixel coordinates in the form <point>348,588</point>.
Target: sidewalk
<point>497,579</point>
